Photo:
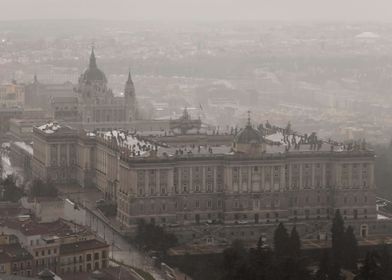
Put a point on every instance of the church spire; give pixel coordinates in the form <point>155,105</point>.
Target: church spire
<point>249,123</point>
<point>129,81</point>
<point>129,89</point>
<point>93,61</point>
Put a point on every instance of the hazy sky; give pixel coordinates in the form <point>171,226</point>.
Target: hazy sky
<point>364,10</point>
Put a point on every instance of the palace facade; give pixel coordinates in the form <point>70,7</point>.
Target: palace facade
<point>238,188</point>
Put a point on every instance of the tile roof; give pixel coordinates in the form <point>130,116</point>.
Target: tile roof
<point>31,227</point>
<point>80,246</point>
<point>13,252</point>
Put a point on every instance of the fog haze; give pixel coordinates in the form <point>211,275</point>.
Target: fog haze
<point>342,10</point>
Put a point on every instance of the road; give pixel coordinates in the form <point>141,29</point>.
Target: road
<point>121,250</point>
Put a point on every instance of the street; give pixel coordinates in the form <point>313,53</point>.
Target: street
<point>121,250</point>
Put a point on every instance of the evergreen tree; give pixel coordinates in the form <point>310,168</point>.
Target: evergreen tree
<point>261,262</point>
<point>335,271</point>
<point>328,268</point>
<point>260,244</point>
<point>350,252</point>
<point>1,168</point>
<point>153,237</point>
<point>10,192</point>
<point>323,268</point>
<point>281,241</point>
<point>292,269</point>
<point>234,262</point>
<point>370,269</point>
<point>337,237</point>
<point>41,188</point>
<point>295,243</point>
<point>386,263</point>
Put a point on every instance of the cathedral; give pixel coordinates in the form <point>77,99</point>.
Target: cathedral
<point>94,102</point>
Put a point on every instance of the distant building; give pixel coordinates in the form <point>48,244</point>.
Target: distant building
<point>12,95</point>
<point>21,155</point>
<point>39,95</point>
<point>6,114</point>
<point>94,102</point>
<point>22,129</point>
<point>185,124</point>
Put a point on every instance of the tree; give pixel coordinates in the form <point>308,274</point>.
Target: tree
<point>234,262</point>
<point>386,263</point>
<point>281,241</point>
<point>370,269</point>
<point>350,252</point>
<point>261,261</point>
<point>335,270</point>
<point>1,168</point>
<point>323,268</point>
<point>295,244</point>
<point>41,188</point>
<point>337,231</point>
<point>10,192</point>
<point>293,269</point>
<point>153,237</point>
<point>260,244</point>
<point>328,269</point>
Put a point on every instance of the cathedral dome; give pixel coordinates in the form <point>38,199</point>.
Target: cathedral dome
<point>249,135</point>
<point>93,73</point>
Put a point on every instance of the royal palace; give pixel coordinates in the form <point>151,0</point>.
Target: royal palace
<point>216,188</point>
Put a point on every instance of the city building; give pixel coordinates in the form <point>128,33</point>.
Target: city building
<point>94,102</point>
<point>12,95</point>
<point>15,260</point>
<point>41,240</point>
<point>6,114</point>
<point>21,155</point>
<point>40,95</point>
<point>83,256</point>
<point>217,193</point>
<point>59,246</point>
<point>45,209</point>
<point>22,129</point>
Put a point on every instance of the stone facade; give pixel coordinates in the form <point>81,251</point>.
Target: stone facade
<point>12,95</point>
<point>220,192</point>
<point>83,256</point>
<point>93,102</point>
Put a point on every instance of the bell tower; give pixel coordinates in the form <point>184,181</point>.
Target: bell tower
<point>130,99</point>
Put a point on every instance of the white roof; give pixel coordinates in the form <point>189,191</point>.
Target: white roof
<point>367,35</point>
<point>49,127</point>
<point>25,147</point>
